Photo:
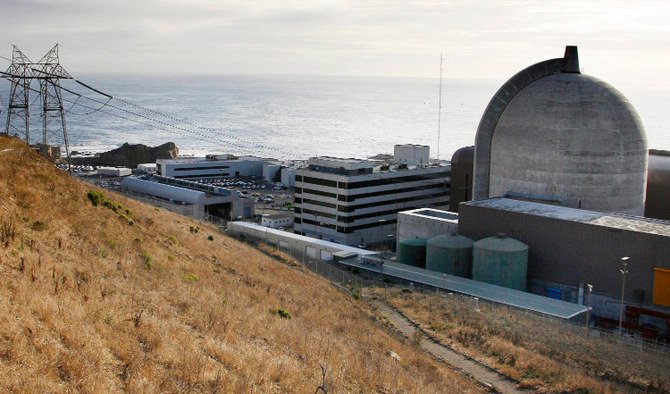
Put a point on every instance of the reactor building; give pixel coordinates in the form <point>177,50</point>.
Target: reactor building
<point>552,134</point>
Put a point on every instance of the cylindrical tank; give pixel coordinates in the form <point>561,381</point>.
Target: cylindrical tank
<point>658,185</point>
<point>451,254</point>
<point>462,170</point>
<point>500,261</point>
<point>412,251</point>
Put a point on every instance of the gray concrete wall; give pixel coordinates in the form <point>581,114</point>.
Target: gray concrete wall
<point>571,138</point>
<point>572,253</point>
<point>410,226</point>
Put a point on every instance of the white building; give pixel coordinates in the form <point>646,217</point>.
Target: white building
<point>270,171</point>
<point>189,198</point>
<point>114,171</point>
<point>148,168</point>
<point>278,220</point>
<point>288,177</point>
<point>350,202</point>
<point>412,155</point>
<point>211,166</point>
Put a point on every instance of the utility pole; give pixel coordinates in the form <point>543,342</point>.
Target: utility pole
<point>624,272</point>
<point>588,305</point>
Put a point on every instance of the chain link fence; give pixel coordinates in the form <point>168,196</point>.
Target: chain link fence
<point>355,281</point>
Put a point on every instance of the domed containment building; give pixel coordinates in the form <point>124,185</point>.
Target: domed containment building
<point>551,134</point>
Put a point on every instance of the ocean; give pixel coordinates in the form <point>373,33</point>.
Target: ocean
<point>291,117</point>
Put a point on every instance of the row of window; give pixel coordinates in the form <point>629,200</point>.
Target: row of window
<point>351,219</point>
<point>374,182</point>
<point>222,174</point>
<point>353,208</point>
<point>343,198</point>
<point>347,230</point>
<point>177,169</point>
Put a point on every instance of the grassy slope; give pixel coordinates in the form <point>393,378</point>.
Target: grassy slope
<point>90,302</point>
<point>539,351</point>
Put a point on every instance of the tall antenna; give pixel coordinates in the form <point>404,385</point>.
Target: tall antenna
<point>439,111</point>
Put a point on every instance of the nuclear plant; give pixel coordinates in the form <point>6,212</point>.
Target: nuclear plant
<point>552,134</point>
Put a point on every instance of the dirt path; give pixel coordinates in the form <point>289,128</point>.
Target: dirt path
<point>477,371</point>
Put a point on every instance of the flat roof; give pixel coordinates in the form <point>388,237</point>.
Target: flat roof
<point>302,238</point>
<point>433,214</point>
<point>198,160</point>
<point>484,291</point>
<point>606,219</point>
<point>343,160</point>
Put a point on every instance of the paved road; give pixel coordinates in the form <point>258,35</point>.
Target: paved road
<point>484,375</point>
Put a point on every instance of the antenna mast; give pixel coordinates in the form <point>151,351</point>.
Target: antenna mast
<point>439,111</point>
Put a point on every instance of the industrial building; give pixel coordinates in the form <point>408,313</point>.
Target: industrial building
<point>277,220</point>
<point>311,249</point>
<point>211,166</point>
<point>355,202</point>
<point>552,134</point>
<point>114,171</point>
<point>288,177</point>
<point>271,171</point>
<point>411,155</point>
<point>147,168</point>
<point>425,223</point>
<point>569,248</point>
<point>189,198</point>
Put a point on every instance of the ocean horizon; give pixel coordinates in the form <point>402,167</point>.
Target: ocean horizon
<point>289,117</point>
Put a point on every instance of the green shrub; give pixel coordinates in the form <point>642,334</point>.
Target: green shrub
<point>210,238</point>
<point>38,225</point>
<point>95,197</point>
<point>148,261</point>
<point>283,313</point>
<point>191,277</point>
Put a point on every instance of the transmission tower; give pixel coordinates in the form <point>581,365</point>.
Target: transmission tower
<point>48,72</point>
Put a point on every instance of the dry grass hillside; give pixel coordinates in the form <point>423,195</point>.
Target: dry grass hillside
<point>542,353</point>
<point>121,296</point>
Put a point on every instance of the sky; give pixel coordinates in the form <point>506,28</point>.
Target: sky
<point>622,42</point>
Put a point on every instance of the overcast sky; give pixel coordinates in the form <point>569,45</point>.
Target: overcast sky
<point>621,42</point>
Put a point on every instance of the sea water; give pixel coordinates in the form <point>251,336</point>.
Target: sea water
<point>289,117</point>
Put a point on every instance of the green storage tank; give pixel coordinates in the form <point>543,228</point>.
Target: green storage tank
<point>412,251</point>
<point>451,254</point>
<point>500,261</point>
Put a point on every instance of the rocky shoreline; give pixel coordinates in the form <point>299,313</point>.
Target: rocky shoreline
<point>128,155</point>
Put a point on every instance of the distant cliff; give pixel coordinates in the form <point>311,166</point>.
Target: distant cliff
<point>130,155</point>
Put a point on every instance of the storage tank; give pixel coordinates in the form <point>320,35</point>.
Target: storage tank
<point>658,185</point>
<point>500,261</point>
<point>462,169</point>
<point>412,251</point>
<point>451,254</point>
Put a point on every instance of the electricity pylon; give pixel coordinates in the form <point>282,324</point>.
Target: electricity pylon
<point>48,72</point>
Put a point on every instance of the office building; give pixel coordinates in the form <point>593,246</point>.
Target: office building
<point>355,202</point>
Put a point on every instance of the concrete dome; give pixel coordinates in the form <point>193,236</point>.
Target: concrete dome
<point>565,138</point>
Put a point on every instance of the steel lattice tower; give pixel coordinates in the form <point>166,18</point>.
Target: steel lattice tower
<point>48,72</point>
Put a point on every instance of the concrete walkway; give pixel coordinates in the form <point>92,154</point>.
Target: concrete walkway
<point>485,375</point>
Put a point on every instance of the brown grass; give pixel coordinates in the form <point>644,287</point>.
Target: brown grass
<point>543,353</point>
<point>93,303</point>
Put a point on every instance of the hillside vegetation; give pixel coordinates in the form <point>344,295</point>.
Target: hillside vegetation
<point>99,293</point>
<point>542,353</point>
